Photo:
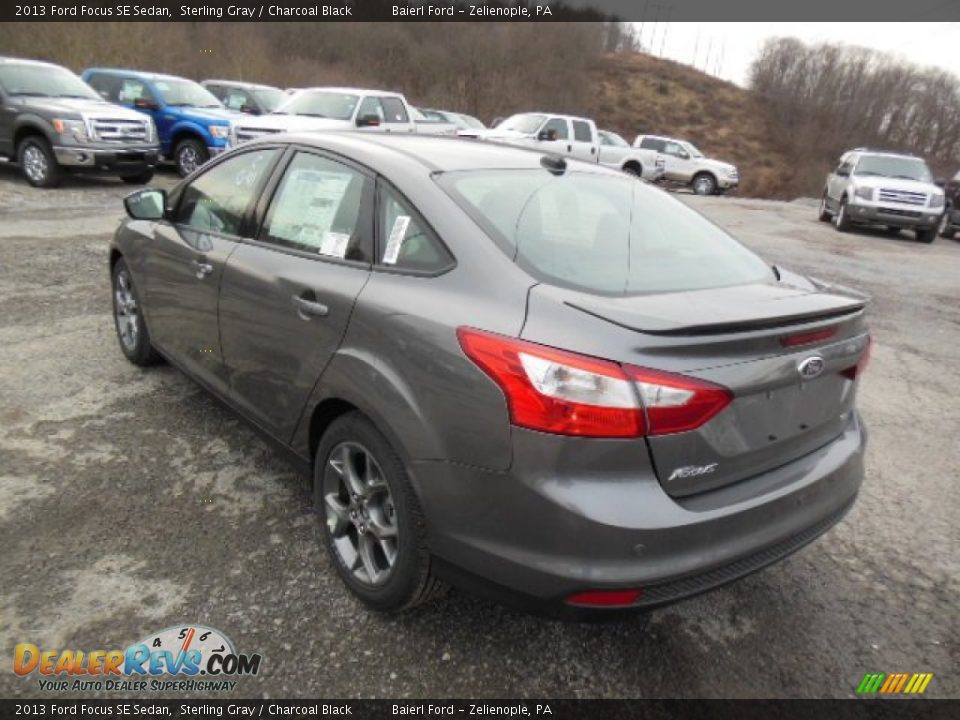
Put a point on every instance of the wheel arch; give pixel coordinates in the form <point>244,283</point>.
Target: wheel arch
<point>634,165</point>
<point>28,127</point>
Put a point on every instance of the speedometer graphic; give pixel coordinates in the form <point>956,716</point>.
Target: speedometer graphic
<point>181,639</point>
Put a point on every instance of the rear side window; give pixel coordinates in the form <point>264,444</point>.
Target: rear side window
<point>581,131</point>
<point>602,233</point>
<point>393,110</point>
<point>218,199</point>
<point>652,144</point>
<point>406,242</point>
<point>317,209</point>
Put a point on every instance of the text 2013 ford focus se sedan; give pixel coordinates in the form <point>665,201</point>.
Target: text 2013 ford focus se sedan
<point>535,377</point>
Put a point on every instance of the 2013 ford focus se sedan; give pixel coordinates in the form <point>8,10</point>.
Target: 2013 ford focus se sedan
<point>535,377</point>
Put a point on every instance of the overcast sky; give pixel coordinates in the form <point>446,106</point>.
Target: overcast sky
<point>732,46</point>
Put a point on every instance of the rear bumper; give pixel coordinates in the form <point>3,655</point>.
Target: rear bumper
<point>561,522</point>
<point>110,160</point>
<point>905,217</point>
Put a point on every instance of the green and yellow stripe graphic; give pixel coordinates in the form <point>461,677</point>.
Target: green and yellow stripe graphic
<point>894,683</point>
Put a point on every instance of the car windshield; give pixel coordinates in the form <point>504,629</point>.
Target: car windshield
<point>185,93</point>
<point>44,81</point>
<point>610,138</point>
<point>600,233</point>
<point>522,123</point>
<point>270,98</point>
<point>894,167</point>
<point>692,150</point>
<point>321,103</point>
<point>468,121</point>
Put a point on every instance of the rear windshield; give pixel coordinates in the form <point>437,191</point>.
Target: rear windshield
<point>602,233</point>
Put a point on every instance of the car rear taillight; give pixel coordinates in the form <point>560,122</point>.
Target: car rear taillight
<point>805,338</point>
<point>677,403</point>
<point>605,598</point>
<point>856,371</point>
<point>565,393</point>
<point>557,391</point>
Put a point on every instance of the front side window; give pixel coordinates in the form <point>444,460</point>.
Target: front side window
<point>132,90</point>
<point>317,209</point>
<point>674,148</point>
<point>581,131</point>
<point>692,150</point>
<point>237,99</point>
<point>370,106</point>
<point>556,128</point>
<point>405,240</point>
<point>218,200</point>
<point>600,233</point>
<point>649,143</point>
<point>270,98</point>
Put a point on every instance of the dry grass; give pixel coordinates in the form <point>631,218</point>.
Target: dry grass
<point>636,93</point>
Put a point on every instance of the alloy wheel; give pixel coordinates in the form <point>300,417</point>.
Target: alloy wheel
<point>188,159</point>
<point>361,516</point>
<point>35,164</point>
<point>125,310</point>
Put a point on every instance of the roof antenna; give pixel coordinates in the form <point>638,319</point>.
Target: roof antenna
<point>554,164</point>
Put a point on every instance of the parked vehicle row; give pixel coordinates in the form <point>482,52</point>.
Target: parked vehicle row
<point>887,189</point>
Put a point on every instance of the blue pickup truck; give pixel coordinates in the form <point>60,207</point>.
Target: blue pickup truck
<point>192,125</point>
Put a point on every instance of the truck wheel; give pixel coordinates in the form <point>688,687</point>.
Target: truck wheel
<point>704,184</point>
<point>824,215</point>
<point>945,230</point>
<point>38,163</point>
<point>842,220</point>
<point>926,236</point>
<point>189,155</point>
<point>141,179</point>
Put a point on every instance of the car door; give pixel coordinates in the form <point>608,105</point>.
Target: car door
<point>287,295</point>
<point>838,178</point>
<point>395,115</point>
<point>584,141</point>
<point>8,112</point>
<point>185,261</point>
<point>678,166</point>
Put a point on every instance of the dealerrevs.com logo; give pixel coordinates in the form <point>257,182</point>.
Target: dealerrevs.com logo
<point>180,658</point>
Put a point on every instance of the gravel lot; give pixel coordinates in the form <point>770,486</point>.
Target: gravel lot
<point>131,501</point>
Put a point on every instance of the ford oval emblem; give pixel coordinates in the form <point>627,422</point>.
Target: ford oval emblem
<point>811,367</point>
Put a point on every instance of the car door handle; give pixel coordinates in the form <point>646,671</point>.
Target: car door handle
<point>203,268</point>
<point>307,308</point>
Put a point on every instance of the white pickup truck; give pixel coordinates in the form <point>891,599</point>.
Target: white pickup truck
<point>332,108</point>
<point>577,138</point>
<point>687,166</point>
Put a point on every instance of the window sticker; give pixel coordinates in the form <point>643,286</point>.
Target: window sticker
<point>395,241</point>
<point>306,208</point>
<point>334,244</point>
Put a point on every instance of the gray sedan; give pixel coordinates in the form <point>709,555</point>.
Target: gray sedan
<point>537,378</point>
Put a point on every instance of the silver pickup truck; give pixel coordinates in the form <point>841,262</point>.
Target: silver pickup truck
<point>577,138</point>
<point>689,167</point>
<point>332,108</point>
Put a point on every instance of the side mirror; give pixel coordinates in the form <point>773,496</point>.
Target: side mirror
<point>148,204</point>
<point>144,104</point>
<point>249,109</point>
<point>548,135</point>
<point>842,172</point>
<point>369,120</point>
<point>683,155</point>
<point>940,182</point>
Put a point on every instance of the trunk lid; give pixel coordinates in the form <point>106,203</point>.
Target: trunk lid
<point>788,400</point>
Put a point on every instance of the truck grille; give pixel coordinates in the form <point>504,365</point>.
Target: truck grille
<point>244,134</point>
<point>903,196</point>
<point>119,130</point>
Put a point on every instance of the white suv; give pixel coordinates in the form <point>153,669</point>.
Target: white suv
<point>871,187</point>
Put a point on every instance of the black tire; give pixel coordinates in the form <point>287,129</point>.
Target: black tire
<point>38,163</point>
<point>945,230</point>
<point>926,236</point>
<point>633,169</point>
<point>410,580</point>
<point>704,183</point>
<point>842,221</point>
<point>141,179</point>
<point>189,154</point>
<point>824,214</point>
<point>139,351</point>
